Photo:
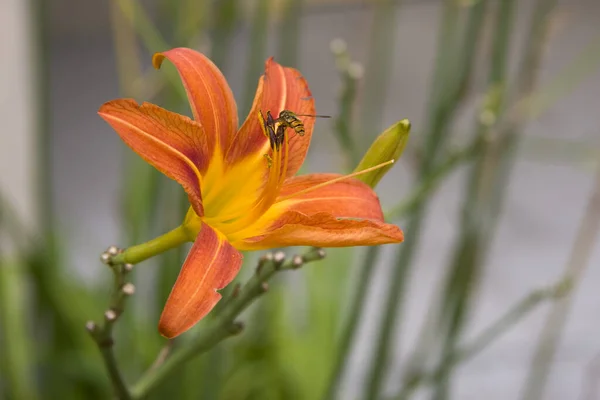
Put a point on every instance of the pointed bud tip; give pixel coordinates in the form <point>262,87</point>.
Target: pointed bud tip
<point>405,124</point>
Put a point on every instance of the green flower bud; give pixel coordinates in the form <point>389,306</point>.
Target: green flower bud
<point>388,146</point>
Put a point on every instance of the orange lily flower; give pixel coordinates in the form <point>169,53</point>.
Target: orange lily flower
<point>240,198</point>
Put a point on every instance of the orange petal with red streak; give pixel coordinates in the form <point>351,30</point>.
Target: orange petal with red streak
<point>280,88</point>
<point>211,265</point>
<point>348,198</point>
<point>209,94</point>
<point>293,228</point>
<point>172,143</point>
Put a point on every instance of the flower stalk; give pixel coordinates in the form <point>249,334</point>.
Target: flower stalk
<point>225,325</point>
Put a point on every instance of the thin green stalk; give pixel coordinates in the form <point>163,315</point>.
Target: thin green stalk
<point>402,210</point>
<point>550,336</point>
<point>350,73</point>
<point>451,51</point>
<point>44,180</point>
<point>350,328</point>
<point>289,33</point>
<point>103,334</point>
<point>150,37</point>
<point>225,17</point>
<point>472,244</point>
<point>435,178</point>
<point>256,51</point>
<point>141,252</point>
<point>484,339</point>
<point>224,325</point>
<point>379,67</point>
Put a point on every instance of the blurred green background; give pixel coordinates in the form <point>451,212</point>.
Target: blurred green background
<point>493,295</point>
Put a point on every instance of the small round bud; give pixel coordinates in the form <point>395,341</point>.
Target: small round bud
<point>105,258</point>
<point>110,315</point>
<point>128,289</point>
<point>338,46</point>
<point>297,261</point>
<point>113,250</point>
<point>321,253</point>
<point>128,267</point>
<point>279,257</point>
<point>267,257</point>
<point>356,70</point>
<point>264,286</point>
<point>91,326</point>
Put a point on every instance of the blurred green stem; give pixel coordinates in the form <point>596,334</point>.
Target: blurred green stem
<point>16,339</point>
<point>289,33</point>
<point>350,73</point>
<point>426,188</point>
<point>379,67</point>
<point>224,325</point>
<point>225,21</point>
<point>350,328</point>
<point>488,336</point>
<point>455,57</point>
<point>550,336</point>
<point>103,335</point>
<point>256,51</point>
<point>400,211</point>
<point>475,226</point>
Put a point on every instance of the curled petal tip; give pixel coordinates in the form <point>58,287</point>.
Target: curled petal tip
<point>157,60</point>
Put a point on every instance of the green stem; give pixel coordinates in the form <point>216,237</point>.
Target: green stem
<point>119,386</point>
<point>484,182</point>
<point>349,73</point>
<point>141,252</point>
<point>425,188</point>
<point>379,67</point>
<point>256,51</point>
<point>224,324</point>
<point>289,33</point>
<point>17,344</point>
<point>446,95</point>
<point>488,336</point>
<point>350,328</point>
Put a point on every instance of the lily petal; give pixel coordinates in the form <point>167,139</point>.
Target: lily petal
<point>348,198</point>
<point>209,94</point>
<point>172,143</point>
<point>280,88</point>
<point>211,264</point>
<point>324,230</point>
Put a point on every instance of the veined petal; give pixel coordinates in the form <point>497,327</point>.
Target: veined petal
<point>324,230</point>
<point>172,143</point>
<point>211,264</point>
<point>346,198</point>
<point>210,97</point>
<point>280,88</point>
